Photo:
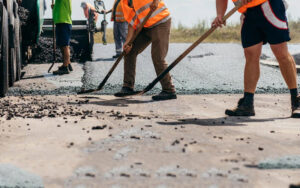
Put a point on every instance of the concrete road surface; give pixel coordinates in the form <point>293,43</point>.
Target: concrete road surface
<point>51,137</point>
<point>101,141</point>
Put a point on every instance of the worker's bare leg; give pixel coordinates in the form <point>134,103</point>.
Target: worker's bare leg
<point>252,69</point>
<point>289,72</point>
<point>286,63</point>
<point>66,55</point>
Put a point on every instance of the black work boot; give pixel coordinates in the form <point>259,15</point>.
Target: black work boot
<point>70,67</point>
<point>116,56</point>
<point>296,108</point>
<point>243,109</point>
<point>61,70</point>
<point>164,95</point>
<point>125,91</point>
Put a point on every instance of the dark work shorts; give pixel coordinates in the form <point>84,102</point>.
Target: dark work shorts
<point>265,23</point>
<point>63,34</point>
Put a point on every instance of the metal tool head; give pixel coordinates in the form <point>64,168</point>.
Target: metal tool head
<point>83,91</point>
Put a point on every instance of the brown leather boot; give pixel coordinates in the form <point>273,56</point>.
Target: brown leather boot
<point>242,109</point>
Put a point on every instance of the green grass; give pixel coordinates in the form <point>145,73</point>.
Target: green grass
<point>230,33</point>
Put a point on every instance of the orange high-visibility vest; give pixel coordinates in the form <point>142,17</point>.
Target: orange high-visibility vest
<point>136,10</point>
<point>253,3</point>
<point>117,12</point>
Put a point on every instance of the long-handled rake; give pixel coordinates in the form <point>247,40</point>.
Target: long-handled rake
<point>119,58</point>
<point>54,44</point>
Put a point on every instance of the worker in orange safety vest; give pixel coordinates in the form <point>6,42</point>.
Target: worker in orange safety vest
<point>156,32</point>
<point>264,22</point>
<point>120,28</point>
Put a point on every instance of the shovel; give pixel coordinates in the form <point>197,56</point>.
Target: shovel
<point>54,44</point>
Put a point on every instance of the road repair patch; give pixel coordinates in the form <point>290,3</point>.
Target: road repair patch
<point>12,176</point>
<point>286,162</point>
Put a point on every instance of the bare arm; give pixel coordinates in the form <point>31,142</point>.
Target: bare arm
<point>221,7</point>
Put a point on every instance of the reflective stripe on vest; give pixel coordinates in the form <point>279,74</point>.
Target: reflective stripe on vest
<point>253,3</point>
<point>142,8</point>
<point>272,18</point>
<point>156,12</point>
<point>118,15</point>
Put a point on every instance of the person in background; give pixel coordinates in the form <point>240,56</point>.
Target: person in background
<point>62,10</point>
<point>120,26</point>
<point>86,7</point>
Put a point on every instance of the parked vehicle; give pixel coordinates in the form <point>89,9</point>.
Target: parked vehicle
<point>17,41</point>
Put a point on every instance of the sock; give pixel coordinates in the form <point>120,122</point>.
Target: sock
<point>294,95</point>
<point>248,98</point>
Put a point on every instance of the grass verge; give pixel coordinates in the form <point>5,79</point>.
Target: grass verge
<point>230,33</point>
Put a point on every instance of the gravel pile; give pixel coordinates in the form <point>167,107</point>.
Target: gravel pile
<point>44,52</point>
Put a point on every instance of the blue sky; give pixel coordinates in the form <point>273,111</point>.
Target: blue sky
<point>186,12</point>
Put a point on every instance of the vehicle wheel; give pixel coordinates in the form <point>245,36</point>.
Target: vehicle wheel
<point>18,45</point>
<point>91,44</point>
<point>12,66</point>
<point>4,52</point>
<point>12,43</point>
<point>91,30</point>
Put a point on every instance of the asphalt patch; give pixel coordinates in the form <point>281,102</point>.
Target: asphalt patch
<point>11,176</point>
<point>286,162</point>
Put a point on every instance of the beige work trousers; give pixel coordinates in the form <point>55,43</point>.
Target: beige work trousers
<point>159,37</point>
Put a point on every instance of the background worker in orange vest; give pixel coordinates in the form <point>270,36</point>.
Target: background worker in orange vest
<point>120,26</point>
<point>86,7</point>
<point>264,21</point>
<point>155,31</point>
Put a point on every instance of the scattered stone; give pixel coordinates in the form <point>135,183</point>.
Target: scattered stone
<point>260,148</point>
<point>144,175</point>
<point>135,137</point>
<point>70,145</point>
<point>175,142</point>
<point>125,175</point>
<point>171,175</point>
<point>90,175</point>
<point>99,127</point>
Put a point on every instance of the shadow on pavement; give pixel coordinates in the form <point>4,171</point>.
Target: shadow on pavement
<point>39,76</point>
<point>89,97</point>
<point>104,59</point>
<point>114,102</point>
<point>224,121</point>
